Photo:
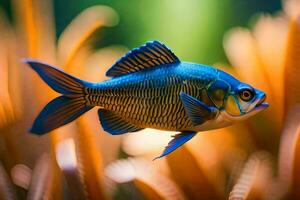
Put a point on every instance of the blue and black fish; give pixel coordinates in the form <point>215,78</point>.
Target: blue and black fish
<point>150,88</point>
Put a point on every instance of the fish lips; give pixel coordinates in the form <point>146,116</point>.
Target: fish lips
<point>260,102</point>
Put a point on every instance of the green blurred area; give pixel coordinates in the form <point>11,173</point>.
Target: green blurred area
<point>194,29</point>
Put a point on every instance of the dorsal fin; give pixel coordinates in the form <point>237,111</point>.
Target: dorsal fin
<point>149,55</point>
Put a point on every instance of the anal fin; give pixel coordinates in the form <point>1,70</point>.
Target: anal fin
<point>114,124</point>
<point>178,140</point>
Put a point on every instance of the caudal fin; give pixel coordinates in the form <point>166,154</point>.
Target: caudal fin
<point>63,109</point>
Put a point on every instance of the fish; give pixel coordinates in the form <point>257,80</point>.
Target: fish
<point>150,87</point>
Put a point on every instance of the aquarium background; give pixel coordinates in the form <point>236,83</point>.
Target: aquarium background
<point>256,41</point>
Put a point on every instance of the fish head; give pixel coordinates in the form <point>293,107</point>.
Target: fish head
<point>236,100</point>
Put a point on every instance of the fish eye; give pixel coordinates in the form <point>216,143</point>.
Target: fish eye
<point>246,94</point>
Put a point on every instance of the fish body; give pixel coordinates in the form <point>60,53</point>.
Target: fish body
<point>151,98</point>
<point>151,88</point>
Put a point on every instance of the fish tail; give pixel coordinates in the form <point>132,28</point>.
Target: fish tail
<point>65,108</point>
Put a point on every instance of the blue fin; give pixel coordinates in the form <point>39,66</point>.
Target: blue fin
<point>63,109</point>
<point>114,124</point>
<point>58,112</point>
<point>58,80</point>
<point>197,111</point>
<point>179,139</point>
<point>147,56</point>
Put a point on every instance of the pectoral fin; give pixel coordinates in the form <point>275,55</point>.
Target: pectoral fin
<point>179,139</point>
<point>197,111</point>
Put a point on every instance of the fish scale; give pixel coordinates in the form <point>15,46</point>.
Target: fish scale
<point>146,105</point>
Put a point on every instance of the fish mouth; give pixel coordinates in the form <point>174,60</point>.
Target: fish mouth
<point>261,104</point>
